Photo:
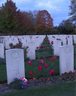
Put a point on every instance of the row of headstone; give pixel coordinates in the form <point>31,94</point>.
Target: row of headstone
<point>15,62</point>
<point>28,38</point>
<point>36,40</point>
<point>15,58</point>
<point>66,40</point>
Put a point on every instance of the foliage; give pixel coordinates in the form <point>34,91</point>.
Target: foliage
<point>45,50</point>
<point>24,22</point>
<point>32,15</point>
<point>73,11</point>
<point>66,27</point>
<point>12,20</point>
<point>8,16</point>
<point>44,22</point>
<point>19,45</point>
<point>41,68</point>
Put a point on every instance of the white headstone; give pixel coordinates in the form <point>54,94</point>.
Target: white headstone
<point>15,41</point>
<point>1,50</point>
<point>74,39</point>
<point>31,50</point>
<point>8,40</point>
<point>70,40</point>
<point>14,64</point>
<point>57,44</point>
<point>66,58</point>
<point>64,39</point>
<point>1,39</point>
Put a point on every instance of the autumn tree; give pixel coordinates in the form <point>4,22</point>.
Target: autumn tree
<point>24,22</point>
<point>32,15</point>
<point>13,20</point>
<point>73,11</point>
<point>44,22</point>
<point>8,16</point>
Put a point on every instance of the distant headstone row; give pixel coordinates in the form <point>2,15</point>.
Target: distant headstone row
<point>36,40</point>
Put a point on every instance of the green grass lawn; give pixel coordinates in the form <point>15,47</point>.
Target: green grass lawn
<point>63,89</point>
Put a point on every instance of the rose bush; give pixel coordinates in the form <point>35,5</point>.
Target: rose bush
<point>42,67</point>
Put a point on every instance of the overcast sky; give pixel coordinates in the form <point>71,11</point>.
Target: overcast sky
<point>58,9</point>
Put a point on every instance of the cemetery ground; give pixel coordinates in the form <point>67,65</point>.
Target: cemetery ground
<point>63,89</point>
<point>55,87</point>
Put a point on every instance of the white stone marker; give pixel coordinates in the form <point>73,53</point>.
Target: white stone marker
<point>74,39</point>
<point>57,44</point>
<point>1,50</point>
<point>14,64</point>
<point>31,50</point>
<point>64,39</point>
<point>15,41</point>
<point>66,58</point>
<point>70,40</point>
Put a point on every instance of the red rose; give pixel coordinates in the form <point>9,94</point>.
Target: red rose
<point>41,46</point>
<point>29,62</point>
<point>42,61</point>
<point>39,67</point>
<point>51,42</point>
<point>51,71</point>
<point>37,47</point>
<point>31,73</point>
<point>45,65</point>
<point>52,59</point>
